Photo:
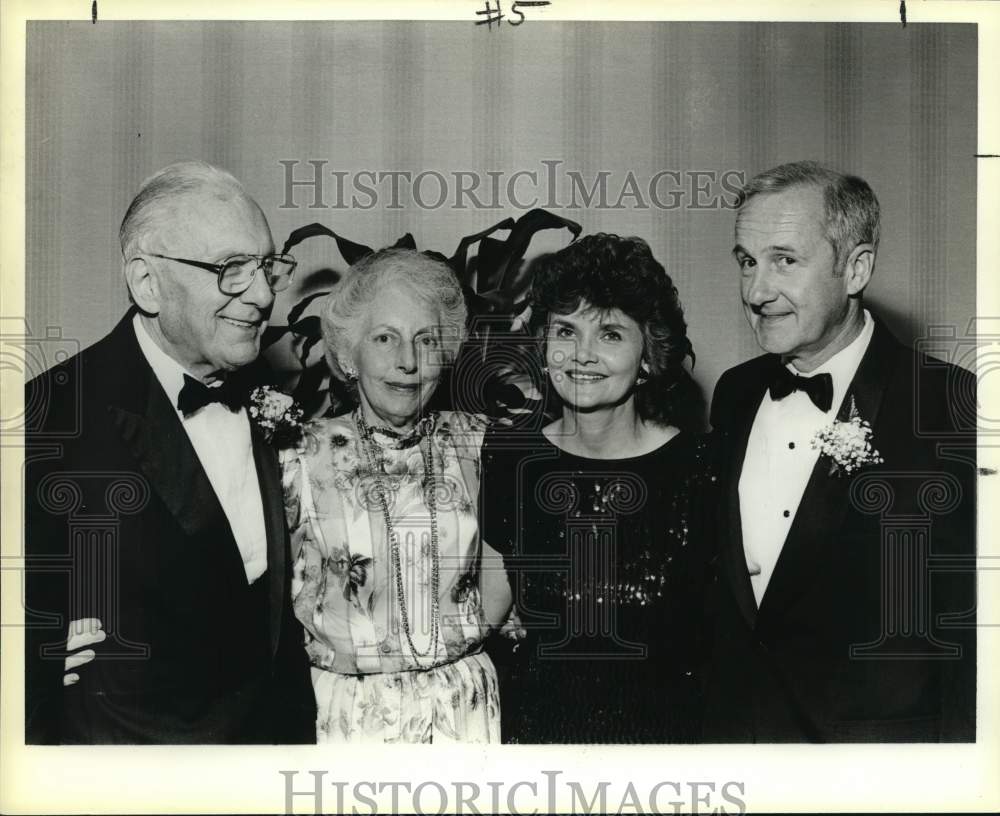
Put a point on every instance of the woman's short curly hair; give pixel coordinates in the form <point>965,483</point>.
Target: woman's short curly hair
<point>351,300</point>
<point>607,272</point>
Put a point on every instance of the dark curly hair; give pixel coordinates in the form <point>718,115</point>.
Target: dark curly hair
<point>610,272</point>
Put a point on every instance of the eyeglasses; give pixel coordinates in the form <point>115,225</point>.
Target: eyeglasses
<point>236,274</point>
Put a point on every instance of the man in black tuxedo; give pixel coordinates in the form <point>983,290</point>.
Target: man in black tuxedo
<point>153,504</point>
<point>845,593</point>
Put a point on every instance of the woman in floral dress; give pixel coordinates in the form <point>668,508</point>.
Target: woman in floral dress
<point>391,581</point>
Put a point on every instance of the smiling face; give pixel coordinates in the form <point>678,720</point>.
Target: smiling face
<point>796,301</point>
<point>204,330</point>
<point>398,357</point>
<point>593,357</point>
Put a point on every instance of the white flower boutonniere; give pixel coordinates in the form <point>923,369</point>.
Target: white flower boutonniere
<point>848,444</point>
<point>277,415</point>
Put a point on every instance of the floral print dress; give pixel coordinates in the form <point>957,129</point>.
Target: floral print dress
<point>373,682</point>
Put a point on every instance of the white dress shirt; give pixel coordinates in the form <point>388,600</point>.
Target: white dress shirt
<point>780,459</point>
<point>221,439</point>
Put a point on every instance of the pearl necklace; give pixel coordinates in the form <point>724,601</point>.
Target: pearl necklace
<point>368,443</point>
<point>403,439</point>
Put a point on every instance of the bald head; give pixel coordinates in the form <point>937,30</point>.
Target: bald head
<point>153,211</point>
<point>186,216</point>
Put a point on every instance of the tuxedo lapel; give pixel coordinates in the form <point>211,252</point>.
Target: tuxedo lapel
<point>266,461</point>
<point>826,497</point>
<point>154,435</point>
<point>164,454</point>
<point>152,432</point>
<point>873,375</point>
<point>732,554</point>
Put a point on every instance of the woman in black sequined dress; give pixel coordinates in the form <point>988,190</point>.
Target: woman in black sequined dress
<point>603,515</point>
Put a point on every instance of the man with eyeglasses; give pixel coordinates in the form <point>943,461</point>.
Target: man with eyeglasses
<point>159,526</point>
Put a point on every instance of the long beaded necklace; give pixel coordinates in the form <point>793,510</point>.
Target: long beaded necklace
<point>365,432</point>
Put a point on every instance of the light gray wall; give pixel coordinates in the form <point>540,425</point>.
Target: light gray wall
<point>109,104</point>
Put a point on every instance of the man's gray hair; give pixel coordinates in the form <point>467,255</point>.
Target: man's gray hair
<point>164,186</point>
<point>852,210</point>
<point>431,280</point>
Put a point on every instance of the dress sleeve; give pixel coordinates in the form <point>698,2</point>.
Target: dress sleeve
<point>292,475</point>
<point>466,432</point>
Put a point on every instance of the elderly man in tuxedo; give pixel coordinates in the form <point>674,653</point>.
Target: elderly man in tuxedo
<point>160,513</point>
<point>845,591</point>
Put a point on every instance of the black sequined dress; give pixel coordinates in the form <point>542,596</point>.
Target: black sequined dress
<point>608,561</point>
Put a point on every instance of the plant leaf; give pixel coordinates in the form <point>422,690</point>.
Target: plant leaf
<point>309,383</point>
<point>296,311</point>
<point>307,346</point>
<point>494,303</point>
<point>308,327</point>
<point>272,334</point>
<point>520,236</point>
<point>437,256</point>
<point>490,263</point>
<point>349,250</point>
<point>460,260</point>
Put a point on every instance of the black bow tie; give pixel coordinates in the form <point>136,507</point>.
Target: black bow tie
<point>819,387</point>
<point>195,395</point>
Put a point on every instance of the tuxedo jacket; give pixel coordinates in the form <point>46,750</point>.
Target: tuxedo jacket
<point>122,524</point>
<point>866,630</point>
